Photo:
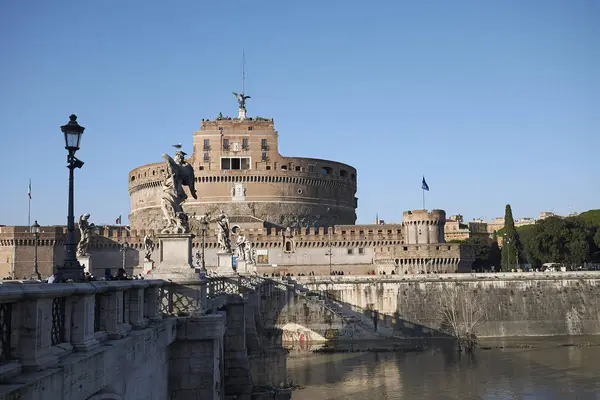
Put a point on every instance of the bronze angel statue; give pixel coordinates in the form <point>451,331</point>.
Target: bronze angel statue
<point>177,175</point>
<point>241,99</point>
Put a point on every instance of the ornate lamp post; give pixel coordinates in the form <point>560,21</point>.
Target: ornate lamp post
<point>123,249</point>
<point>204,227</point>
<point>35,228</point>
<point>329,253</point>
<point>71,269</point>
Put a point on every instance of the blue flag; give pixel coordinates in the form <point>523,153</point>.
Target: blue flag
<point>424,185</point>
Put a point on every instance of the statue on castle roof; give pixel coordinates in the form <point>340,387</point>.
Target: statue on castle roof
<point>223,238</point>
<point>85,230</point>
<point>178,173</point>
<point>241,100</point>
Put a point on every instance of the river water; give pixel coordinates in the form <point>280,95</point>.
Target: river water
<point>528,369</point>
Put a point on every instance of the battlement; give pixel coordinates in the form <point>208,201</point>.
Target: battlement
<point>424,216</point>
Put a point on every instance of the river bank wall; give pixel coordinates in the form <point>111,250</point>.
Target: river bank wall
<point>514,304</point>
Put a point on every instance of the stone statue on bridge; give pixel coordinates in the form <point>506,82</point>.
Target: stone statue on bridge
<point>148,248</point>
<point>85,230</point>
<point>178,173</point>
<point>244,249</point>
<point>223,238</point>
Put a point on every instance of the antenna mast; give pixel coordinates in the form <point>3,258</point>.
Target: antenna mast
<point>243,71</point>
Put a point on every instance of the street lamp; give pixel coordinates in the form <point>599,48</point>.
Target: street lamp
<point>507,243</point>
<point>203,227</point>
<point>35,228</point>
<point>71,269</point>
<point>329,253</point>
<point>123,249</point>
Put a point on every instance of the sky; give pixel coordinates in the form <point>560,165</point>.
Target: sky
<point>494,102</point>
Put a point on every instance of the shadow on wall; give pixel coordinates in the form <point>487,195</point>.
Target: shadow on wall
<point>315,316</point>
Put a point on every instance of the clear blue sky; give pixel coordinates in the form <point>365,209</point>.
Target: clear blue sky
<point>494,102</point>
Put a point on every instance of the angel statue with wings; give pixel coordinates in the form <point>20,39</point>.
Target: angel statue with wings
<point>241,99</point>
<point>178,173</point>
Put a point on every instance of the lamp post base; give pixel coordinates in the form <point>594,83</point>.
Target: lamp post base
<point>70,270</point>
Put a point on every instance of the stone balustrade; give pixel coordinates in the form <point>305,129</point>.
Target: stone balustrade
<point>40,322</point>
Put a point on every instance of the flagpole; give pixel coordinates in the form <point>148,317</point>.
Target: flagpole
<point>423,190</point>
<point>29,206</point>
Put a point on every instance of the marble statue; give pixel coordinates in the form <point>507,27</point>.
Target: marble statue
<point>178,174</point>
<point>244,249</point>
<point>148,248</point>
<point>241,100</point>
<point>223,237</point>
<point>198,257</point>
<point>85,230</point>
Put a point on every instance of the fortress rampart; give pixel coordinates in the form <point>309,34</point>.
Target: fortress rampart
<point>239,170</point>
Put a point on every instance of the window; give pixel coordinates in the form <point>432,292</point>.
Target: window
<point>250,128</point>
<point>235,163</point>
<point>361,250</point>
<point>264,156</point>
<point>263,144</point>
<point>201,168</point>
<point>245,143</point>
<point>206,156</point>
<point>225,144</point>
<point>350,251</point>
<point>311,168</point>
<point>405,248</point>
<point>206,145</point>
<point>343,173</point>
<point>326,170</point>
<point>284,168</point>
<point>298,168</point>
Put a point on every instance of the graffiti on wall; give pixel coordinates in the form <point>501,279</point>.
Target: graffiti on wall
<point>300,334</point>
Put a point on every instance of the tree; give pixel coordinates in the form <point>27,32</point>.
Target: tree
<point>460,313</point>
<point>511,244</point>
<point>481,252</point>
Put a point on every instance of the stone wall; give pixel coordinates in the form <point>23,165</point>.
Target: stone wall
<point>526,304</point>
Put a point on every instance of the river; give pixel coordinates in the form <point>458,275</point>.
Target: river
<point>528,369</point>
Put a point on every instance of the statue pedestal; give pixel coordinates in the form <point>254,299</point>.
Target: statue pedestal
<point>86,262</point>
<point>174,258</point>
<point>224,264</point>
<point>148,266</point>
<point>244,267</point>
<point>241,113</point>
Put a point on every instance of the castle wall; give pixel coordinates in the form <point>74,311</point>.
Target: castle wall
<point>285,191</point>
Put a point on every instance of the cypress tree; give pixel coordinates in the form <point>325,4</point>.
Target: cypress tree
<point>510,242</point>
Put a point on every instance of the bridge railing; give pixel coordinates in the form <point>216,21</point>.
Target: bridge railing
<point>40,322</point>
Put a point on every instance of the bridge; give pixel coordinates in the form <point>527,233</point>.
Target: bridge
<point>152,339</point>
<point>223,337</point>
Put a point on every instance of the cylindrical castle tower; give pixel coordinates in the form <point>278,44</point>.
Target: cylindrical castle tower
<point>423,227</point>
<point>239,170</point>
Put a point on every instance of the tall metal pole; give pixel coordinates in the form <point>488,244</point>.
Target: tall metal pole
<point>36,272</point>
<point>203,234</point>
<point>71,269</point>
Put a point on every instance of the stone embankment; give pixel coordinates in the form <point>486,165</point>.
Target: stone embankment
<point>514,304</point>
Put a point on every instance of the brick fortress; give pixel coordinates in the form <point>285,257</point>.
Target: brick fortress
<point>298,214</point>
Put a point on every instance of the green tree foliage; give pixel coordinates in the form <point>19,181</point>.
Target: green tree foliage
<point>511,244</point>
<point>571,241</point>
<point>486,252</point>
